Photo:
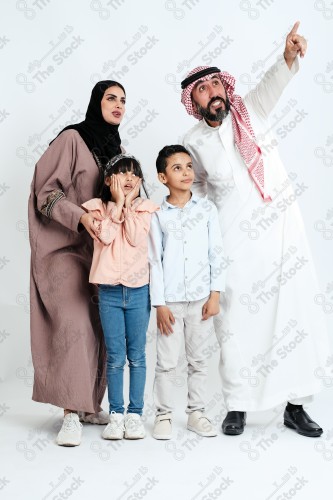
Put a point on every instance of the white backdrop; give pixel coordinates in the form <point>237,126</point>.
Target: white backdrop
<point>51,54</point>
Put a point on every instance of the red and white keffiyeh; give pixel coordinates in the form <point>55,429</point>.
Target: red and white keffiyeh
<point>245,140</point>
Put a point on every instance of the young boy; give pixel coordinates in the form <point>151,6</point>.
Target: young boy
<point>186,278</point>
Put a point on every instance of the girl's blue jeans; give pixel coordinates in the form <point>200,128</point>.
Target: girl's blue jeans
<point>125,315</point>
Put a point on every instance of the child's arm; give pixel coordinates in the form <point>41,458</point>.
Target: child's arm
<point>136,226</point>
<point>212,306</point>
<point>164,316</point>
<point>164,319</point>
<point>107,225</point>
<point>217,275</point>
<point>215,252</point>
<point>118,197</point>
<point>110,226</point>
<point>136,223</point>
<point>155,258</point>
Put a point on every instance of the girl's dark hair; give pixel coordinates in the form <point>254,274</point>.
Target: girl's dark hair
<point>122,165</point>
<point>165,153</point>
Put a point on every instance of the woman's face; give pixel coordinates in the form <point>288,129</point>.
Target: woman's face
<point>113,105</point>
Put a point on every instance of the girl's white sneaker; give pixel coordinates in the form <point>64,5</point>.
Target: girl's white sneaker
<point>115,428</point>
<point>134,427</point>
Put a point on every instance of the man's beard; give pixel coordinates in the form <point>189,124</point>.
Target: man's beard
<point>219,115</point>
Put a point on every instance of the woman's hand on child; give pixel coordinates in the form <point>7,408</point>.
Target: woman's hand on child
<point>134,193</point>
<point>164,319</point>
<point>88,220</point>
<point>116,191</point>
<point>212,306</point>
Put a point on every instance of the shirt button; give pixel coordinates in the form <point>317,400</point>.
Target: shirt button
<point>186,258</point>
<point>185,241</point>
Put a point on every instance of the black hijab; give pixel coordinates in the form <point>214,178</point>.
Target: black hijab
<point>101,138</point>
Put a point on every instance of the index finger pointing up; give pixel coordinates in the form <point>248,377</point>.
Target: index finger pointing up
<point>294,28</point>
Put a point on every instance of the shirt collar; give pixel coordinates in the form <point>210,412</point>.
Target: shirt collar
<point>166,205</point>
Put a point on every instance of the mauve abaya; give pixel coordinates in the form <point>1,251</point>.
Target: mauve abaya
<point>67,342</point>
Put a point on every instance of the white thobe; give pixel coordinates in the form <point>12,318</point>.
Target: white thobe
<point>272,333</point>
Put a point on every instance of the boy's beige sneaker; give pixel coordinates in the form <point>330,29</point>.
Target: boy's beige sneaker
<point>163,426</point>
<point>199,423</point>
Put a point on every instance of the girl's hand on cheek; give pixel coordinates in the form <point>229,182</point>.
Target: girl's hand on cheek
<point>116,191</point>
<point>134,193</point>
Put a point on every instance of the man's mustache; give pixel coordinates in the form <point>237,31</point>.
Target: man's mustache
<point>217,98</point>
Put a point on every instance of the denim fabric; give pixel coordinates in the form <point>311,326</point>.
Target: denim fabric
<point>125,315</point>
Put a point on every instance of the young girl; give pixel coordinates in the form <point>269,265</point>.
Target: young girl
<point>120,268</point>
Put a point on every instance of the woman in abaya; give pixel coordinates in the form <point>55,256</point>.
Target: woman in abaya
<point>67,343</point>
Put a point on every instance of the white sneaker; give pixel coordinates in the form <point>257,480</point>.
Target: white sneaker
<point>134,427</point>
<point>70,432</point>
<point>115,428</point>
<point>100,418</point>
<point>163,426</point>
<point>199,423</point>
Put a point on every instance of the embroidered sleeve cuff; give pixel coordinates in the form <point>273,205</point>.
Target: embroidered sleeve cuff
<point>51,200</point>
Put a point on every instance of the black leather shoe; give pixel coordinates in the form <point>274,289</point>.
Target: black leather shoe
<point>300,421</point>
<point>234,423</point>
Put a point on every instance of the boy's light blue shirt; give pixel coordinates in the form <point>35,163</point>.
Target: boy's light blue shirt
<point>185,252</point>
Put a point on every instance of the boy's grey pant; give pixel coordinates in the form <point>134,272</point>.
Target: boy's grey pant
<point>197,335</point>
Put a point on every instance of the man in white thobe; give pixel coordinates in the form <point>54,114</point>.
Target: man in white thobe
<point>272,334</point>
